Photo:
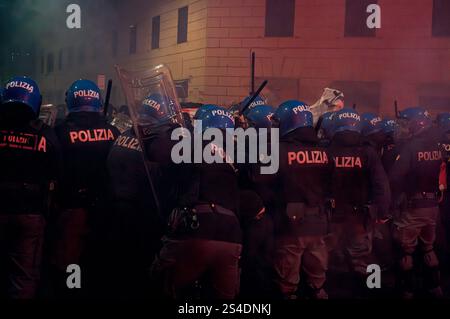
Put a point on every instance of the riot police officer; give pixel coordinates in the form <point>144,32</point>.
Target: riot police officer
<point>257,207</point>
<point>391,146</point>
<point>443,123</point>
<point>302,187</point>
<point>85,139</point>
<point>372,131</point>
<point>324,128</point>
<point>361,194</point>
<point>204,239</point>
<point>416,173</point>
<point>30,161</point>
<point>137,225</point>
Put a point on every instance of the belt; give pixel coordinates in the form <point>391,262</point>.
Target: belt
<point>423,195</point>
<point>213,208</point>
<point>15,186</point>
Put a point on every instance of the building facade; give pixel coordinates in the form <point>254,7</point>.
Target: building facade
<point>302,46</point>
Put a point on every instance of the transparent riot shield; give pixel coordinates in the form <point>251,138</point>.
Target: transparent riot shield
<point>138,86</point>
<point>122,122</point>
<point>331,100</point>
<point>48,113</point>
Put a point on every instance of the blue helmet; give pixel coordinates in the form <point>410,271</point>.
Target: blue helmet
<point>443,121</point>
<point>371,124</point>
<point>25,91</point>
<point>216,117</point>
<point>293,114</point>
<point>418,119</point>
<point>203,109</point>
<point>388,126</point>
<point>83,96</point>
<point>259,100</point>
<point>157,107</point>
<point>347,119</point>
<point>261,116</point>
<point>327,125</point>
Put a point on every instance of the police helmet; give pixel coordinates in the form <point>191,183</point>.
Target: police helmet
<point>261,116</point>
<point>83,96</point>
<point>326,127</point>
<point>203,109</point>
<point>291,115</point>
<point>24,91</point>
<point>216,117</point>
<point>259,100</point>
<point>416,118</point>
<point>371,124</point>
<point>347,119</point>
<point>388,126</point>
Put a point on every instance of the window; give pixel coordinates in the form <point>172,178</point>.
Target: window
<point>280,17</point>
<point>50,61</point>
<point>133,39</point>
<point>182,25</point>
<point>60,60</point>
<point>356,18</point>
<point>114,42</point>
<point>441,18</point>
<point>156,22</point>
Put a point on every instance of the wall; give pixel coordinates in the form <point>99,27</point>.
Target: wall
<point>401,62</point>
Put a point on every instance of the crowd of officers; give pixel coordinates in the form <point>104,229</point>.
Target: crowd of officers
<point>351,190</point>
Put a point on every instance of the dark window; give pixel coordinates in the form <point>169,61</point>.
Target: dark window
<point>50,61</point>
<point>156,22</point>
<point>280,17</point>
<point>60,60</point>
<point>356,18</point>
<point>182,25</point>
<point>114,42</point>
<point>70,57</point>
<point>81,55</point>
<point>441,18</point>
<point>133,39</point>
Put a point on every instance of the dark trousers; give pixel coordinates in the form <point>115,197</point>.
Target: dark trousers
<point>350,243</point>
<point>68,244</point>
<point>417,227</point>
<point>71,229</point>
<point>307,253</point>
<point>182,262</point>
<point>21,238</point>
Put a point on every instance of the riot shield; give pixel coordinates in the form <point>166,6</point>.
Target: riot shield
<point>122,122</point>
<point>138,86</point>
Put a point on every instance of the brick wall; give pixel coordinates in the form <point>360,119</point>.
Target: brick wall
<point>401,58</point>
<point>402,62</point>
